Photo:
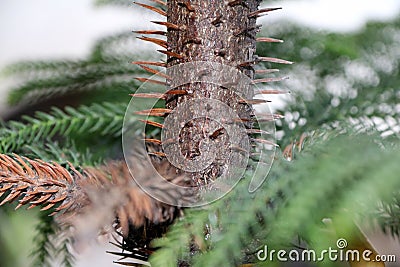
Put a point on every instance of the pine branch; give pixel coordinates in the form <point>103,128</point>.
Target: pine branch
<point>101,77</point>
<point>50,244</point>
<point>104,53</point>
<point>106,69</point>
<point>42,254</point>
<point>103,119</point>
<point>99,195</point>
<point>338,181</point>
<point>36,182</point>
<point>61,153</point>
<point>388,214</point>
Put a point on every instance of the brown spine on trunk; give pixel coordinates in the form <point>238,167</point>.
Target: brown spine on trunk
<point>214,23</point>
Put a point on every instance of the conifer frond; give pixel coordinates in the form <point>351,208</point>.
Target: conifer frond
<point>37,183</point>
<point>43,251</point>
<point>107,69</point>
<point>61,153</point>
<point>388,216</point>
<point>104,119</point>
<point>97,77</point>
<point>101,195</point>
<point>299,191</point>
<point>50,244</point>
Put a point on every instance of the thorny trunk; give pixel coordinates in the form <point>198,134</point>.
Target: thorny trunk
<point>219,31</point>
<point>213,31</point>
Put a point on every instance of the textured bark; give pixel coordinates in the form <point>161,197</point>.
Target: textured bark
<point>212,31</point>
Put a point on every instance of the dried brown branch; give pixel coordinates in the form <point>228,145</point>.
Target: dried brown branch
<point>39,183</point>
<point>93,198</point>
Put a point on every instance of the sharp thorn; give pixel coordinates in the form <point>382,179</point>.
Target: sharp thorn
<point>257,13</point>
<point>256,131</point>
<point>169,25</point>
<point>154,141</point>
<point>268,80</point>
<point>275,60</point>
<point>264,118</point>
<point>149,95</point>
<point>156,41</point>
<point>263,141</point>
<point>144,80</point>
<point>268,40</point>
<point>155,32</point>
<point>266,71</point>
<point>159,112</point>
<point>151,63</point>
<point>270,92</point>
<point>259,118</point>
<point>153,123</point>
<point>253,101</point>
<point>156,72</point>
<point>171,54</point>
<point>177,92</point>
<point>159,154</point>
<point>157,10</point>
<point>159,2</point>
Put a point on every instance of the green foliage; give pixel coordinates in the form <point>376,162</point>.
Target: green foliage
<point>68,153</point>
<point>388,214</point>
<point>106,74</point>
<point>327,181</point>
<point>49,246</point>
<point>339,77</point>
<point>101,119</point>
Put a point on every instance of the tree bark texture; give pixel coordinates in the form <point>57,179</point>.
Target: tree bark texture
<point>213,31</point>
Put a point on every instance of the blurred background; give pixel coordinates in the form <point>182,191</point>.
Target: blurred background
<point>341,48</point>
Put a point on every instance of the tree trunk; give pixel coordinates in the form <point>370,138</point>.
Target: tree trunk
<point>211,31</point>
